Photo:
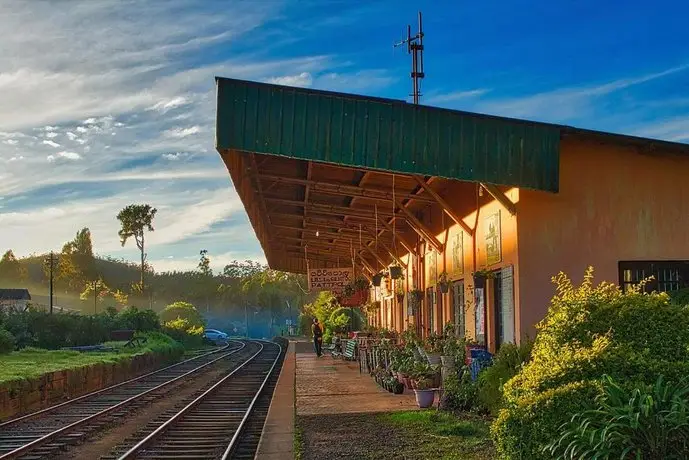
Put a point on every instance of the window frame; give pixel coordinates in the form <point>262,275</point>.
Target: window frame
<point>654,268</point>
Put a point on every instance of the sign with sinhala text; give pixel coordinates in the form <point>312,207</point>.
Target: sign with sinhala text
<point>329,279</point>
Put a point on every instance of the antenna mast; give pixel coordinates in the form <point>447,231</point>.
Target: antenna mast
<point>415,48</point>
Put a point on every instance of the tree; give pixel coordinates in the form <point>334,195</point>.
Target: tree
<point>10,268</point>
<point>135,219</point>
<point>96,288</point>
<point>76,261</point>
<point>184,311</point>
<point>207,284</point>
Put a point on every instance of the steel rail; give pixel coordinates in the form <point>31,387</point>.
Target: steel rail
<point>233,442</point>
<point>111,387</point>
<point>53,434</point>
<point>141,445</point>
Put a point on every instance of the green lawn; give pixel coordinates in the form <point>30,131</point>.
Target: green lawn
<point>34,362</point>
<point>440,435</point>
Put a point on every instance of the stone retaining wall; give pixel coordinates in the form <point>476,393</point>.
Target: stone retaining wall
<point>23,396</point>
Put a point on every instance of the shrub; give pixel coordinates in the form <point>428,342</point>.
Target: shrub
<point>506,364</point>
<point>162,343</point>
<point>183,310</point>
<point>184,332</point>
<point>459,391</point>
<point>646,422</point>
<point>7,341</point>
<point>588,332</point>
<point>139,320</point>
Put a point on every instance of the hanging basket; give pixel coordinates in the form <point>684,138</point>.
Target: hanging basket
<point>400,298</point>
<point>377,278</point>
<point>395,272</point>
<point>444,287</point>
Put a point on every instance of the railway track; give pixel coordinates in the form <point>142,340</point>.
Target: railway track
<point>223,422</point>
<point>40,434</point>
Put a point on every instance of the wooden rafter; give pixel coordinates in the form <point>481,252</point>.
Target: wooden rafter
<point>420,228</point>
<point>375,254</point>
<point>338,189</point>
<point>500,198</point>
<point>328,207</point>
<point>444,205</point>
<point>409,247</point>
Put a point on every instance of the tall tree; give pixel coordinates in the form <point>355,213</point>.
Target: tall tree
<point>207,283</point>
<point>135,219</point>
<point>10,268</point>
<point>76,262</point>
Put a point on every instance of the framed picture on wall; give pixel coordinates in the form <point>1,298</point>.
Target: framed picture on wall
<point>432,259</point>
<point>458,253</point>
<point>493,239</point>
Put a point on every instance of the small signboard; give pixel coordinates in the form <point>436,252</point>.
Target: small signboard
<point>330,279</point>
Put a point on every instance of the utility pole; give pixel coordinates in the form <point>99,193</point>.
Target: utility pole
<point>246,318</point>
<point>415,48</point>
<point>51,270</point>
<point>95,284</point>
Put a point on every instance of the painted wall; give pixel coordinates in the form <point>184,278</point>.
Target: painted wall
<point>462,197</point>
<point>614,204</point>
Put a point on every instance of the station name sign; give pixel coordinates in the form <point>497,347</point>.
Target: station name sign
<point>330,279</point>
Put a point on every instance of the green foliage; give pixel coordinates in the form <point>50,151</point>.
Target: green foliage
<point>680,297</point>
<point>139,320</point>
<point>506,364</point>
<point>7,341</point>
<point>459,391</point>
<point>648,422</point>
<point>135,219</point>
<point>184,331</point>
<point>10,268</point>
<point>589,331</point>
<point>185,311</point>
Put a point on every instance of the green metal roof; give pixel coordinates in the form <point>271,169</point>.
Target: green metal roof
<point>385,134</point>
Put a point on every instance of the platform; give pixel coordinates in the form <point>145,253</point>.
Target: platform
<point>335,386</point>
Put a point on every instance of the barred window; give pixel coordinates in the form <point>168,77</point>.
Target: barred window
<point>669,275</point>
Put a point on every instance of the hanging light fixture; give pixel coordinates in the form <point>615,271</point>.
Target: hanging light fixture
<point>318,233</point>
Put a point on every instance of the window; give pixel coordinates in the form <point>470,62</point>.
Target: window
<point>430,306</point>
<point>669,275</point>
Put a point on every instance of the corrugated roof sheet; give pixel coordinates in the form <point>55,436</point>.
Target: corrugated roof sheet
<point>15,294</point>
<point>385,134</point>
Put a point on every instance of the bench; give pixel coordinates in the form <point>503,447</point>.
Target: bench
<point>127,335</point>
<point>334,346</point>
<point>349,352</point>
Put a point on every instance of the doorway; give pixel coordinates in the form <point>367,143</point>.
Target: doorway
<point>457,312</point>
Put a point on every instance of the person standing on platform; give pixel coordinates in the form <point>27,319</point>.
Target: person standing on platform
<point>317,332</point>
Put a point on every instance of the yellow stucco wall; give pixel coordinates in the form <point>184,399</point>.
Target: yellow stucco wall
<point>614,204</point>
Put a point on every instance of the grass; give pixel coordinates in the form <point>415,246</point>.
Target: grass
<point>33,362</point>
<point>442,435</point>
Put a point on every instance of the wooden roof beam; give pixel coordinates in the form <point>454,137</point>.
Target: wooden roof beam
<point>409,247</point>
<point>443,205</point>
<point>339,189</point>
<point>377,257</point>
<point>328,207</point>
<point>500,198</point>
<point>420,228</point>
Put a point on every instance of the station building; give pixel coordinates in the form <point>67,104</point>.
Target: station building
<point>492,205</point>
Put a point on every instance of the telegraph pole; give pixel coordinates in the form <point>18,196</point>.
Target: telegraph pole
<point>51,269</point>
<point>415,48</point>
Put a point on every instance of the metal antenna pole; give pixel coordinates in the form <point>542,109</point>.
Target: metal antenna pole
<point>415,48</point>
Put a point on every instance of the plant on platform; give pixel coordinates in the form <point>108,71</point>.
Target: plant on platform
<point>434,343</point>
<point>508,361</point>
<point>646,422</point>
<point>589,331</point>
<point>459,391</point>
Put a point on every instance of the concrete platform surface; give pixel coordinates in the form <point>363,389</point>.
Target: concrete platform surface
<point>330,386</point>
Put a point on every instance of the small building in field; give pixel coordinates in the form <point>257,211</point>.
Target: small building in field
<point>479,211</point>
<point>14,299</point>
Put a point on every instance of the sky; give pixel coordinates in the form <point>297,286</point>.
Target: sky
<point>104,103</point>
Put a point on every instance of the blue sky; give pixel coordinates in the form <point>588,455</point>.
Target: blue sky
<point>107,103</point>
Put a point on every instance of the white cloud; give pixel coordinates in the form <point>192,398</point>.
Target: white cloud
<point>183,132</point>
<point>674,129</point>
<point>304,80</point>
<point>10,141</point>
<point>166,105</point>
<point>364,80</point>
<point>454,96</point>
<point>51,143</point>
<point>66,155</point>
<point>51,134</point>
<point>567,103</point>
<point>175,156</point>
<point>82,129</point>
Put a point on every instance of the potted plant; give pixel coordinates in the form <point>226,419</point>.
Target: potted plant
<point>395,272</point>
<point>424,395</point>
<point>433,347</point>
<point>399,293</point>
<point>480,277</point>
<point>376,279</point>
<point>443,283</point>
